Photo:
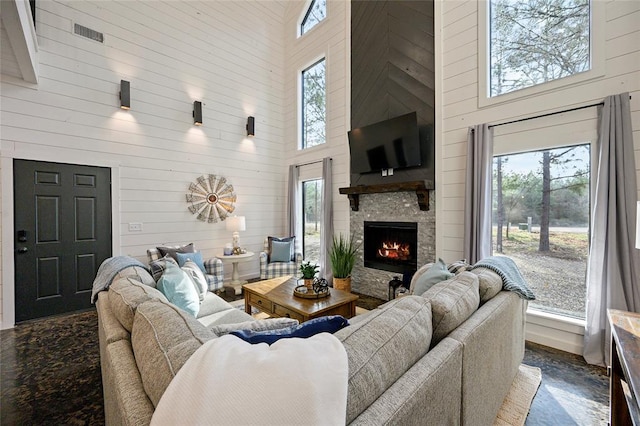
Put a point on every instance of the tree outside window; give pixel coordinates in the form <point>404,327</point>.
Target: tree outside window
<point>541,220</point>
<point>313,105</point>
<point>536,41</point>
<point>311,219</point>
<point>316,12</point>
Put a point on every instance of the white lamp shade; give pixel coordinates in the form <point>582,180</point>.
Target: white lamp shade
<point>235,223</point>
<point>638,225</point>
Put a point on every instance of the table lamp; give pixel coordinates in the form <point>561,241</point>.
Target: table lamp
<point>236,224</point>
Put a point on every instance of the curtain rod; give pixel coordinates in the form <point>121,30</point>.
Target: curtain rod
<point>312,162</point>
<point>549,113</point>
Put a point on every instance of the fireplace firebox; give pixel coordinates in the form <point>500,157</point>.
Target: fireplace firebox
<point>391,246</point>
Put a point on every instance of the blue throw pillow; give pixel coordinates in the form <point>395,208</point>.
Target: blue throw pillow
<point>281,251</point>
<point>270,241</point>
<point>176,285</point>
<point>329,324</point>
<point>194,257</point>
<point>438,272</point>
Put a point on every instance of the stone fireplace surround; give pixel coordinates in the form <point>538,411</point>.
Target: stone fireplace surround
<point>390,207</point>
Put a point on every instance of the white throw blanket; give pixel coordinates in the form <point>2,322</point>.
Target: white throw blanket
<point>228,381</point>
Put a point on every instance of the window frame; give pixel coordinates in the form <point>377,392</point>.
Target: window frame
<point>306,11</point>
<point>535,311</point>
<point>301,104</point>
<point>596,51</point>
<point>303,213</point>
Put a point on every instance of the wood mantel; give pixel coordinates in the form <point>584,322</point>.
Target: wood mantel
<point>420,187</point>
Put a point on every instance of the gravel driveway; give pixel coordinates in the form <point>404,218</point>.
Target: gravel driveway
<point>558,284</point>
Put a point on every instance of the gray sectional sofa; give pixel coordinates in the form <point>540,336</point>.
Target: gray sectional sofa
<point>446,357</point>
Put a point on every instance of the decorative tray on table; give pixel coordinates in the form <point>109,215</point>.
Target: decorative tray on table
<point>319,290</point>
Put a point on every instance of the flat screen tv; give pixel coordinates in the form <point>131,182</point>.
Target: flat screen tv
<point>388,144</point>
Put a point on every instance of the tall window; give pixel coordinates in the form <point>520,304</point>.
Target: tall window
<point>536,41</point>
<point>315,14</point>
<point>311,215</point>
<point>541,220</point>
<point>314,105</point>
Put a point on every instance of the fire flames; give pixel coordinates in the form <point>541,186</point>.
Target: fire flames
<point>394,250</point>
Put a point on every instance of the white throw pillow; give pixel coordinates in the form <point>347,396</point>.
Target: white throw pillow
<point>198,278</point>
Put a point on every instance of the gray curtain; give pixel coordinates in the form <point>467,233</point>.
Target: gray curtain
<point>613,271</point>
<point>478,188</point>
<point>292,204</point>
<point>326,236</point>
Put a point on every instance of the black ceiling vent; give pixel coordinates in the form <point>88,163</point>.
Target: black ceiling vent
<point>88,33</point>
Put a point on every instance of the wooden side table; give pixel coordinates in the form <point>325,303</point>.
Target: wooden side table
<point>234,259</point>
<point>625,368</point>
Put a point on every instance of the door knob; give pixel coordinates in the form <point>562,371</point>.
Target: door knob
<point>23,250</point>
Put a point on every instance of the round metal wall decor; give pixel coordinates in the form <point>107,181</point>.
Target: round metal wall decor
<point>211,198</point>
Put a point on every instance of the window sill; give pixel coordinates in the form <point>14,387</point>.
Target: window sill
<point>556,331</point>
<point>563,322</point>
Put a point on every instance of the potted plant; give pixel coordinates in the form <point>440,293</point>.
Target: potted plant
<point>343,256</point>
<point>308,273</point>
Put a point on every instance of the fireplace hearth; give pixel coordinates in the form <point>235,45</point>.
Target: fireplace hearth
<point>391,246</point>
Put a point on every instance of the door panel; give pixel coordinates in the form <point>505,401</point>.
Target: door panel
<point>63,233</point>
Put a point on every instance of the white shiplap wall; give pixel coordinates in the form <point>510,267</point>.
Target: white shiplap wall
<point>7,57</point>
<point>229,55</point>
<point>457,53</point>
<point>329,39</point>
<point>459,99</point>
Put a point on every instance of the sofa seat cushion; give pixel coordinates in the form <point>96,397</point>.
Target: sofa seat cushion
<point>452,302</point>
<point>227,316</point>
<point>489,282</point>
<point>212,304</point>
<point>163,337</point>
<point>382,346</point>
<point>125,294</point>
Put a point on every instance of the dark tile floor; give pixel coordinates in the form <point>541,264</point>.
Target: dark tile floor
<point>571,393</point>
<point>50,375</point>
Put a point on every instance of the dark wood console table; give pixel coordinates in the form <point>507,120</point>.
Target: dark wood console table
<point>625,368</point>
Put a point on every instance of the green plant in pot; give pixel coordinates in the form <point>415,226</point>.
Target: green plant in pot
<point>343,256</point>
<point>308,273</point>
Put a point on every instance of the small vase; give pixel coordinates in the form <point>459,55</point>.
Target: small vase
<point>308,282</point>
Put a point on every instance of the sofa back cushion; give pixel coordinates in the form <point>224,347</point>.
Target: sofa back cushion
<point>163,338</point>
<point>381,346</point>
<point>125,294</point>
<point>452,302</point>
<point>489,282</point>
<point>137,273</point>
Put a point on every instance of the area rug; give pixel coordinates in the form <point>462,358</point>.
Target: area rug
<point>517,403</point>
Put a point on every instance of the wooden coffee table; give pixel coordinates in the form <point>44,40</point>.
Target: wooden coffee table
<point>275,298</point>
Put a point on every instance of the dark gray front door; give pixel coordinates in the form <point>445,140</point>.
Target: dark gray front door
<point>62,234</point>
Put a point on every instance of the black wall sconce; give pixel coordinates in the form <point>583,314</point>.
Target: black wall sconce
<point>125,96</point>
<point>251,126</point>
<point>197,113</point>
